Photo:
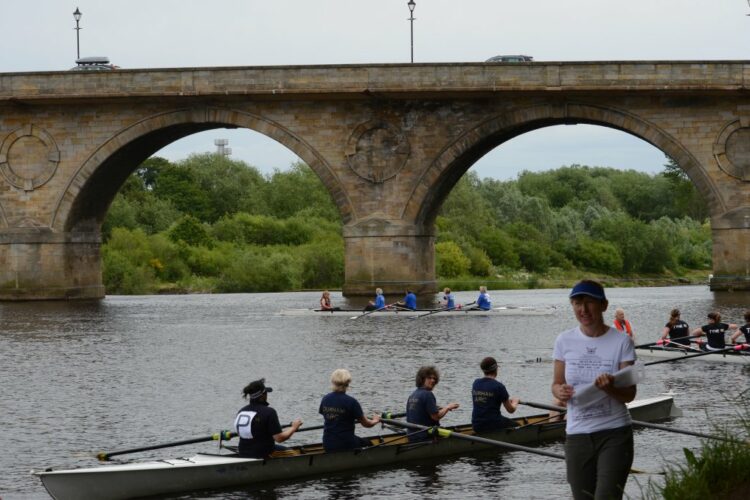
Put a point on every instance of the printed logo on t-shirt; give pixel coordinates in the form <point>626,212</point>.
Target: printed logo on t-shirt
<point>242,424</point>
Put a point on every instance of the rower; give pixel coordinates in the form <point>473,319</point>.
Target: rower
<point>487,395</point>
<point>409,301</point>
<point>676,329</point>
<point>714,332</point>
<point>421,407</point>
<point>743,330</point>
<point>340,412</point>
<point>448,302</point>
<point>379,302</point>
<point>257,424</point>
<point>484,302</point>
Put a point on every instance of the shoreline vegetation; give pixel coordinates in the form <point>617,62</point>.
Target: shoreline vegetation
<point>209,224</point>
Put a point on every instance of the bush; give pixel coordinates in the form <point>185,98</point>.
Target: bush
<point>191,231</point>
<point>450,260</point>
<point>253,271</point>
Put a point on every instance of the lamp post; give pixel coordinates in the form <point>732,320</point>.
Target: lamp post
<point>77,16</point>
<point>411,5</point>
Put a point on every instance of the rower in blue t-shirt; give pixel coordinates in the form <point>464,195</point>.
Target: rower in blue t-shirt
<point>340,412</point>
<point>379,302</point>
<point>448,303</point>
<point>410,301</point>
<point>483,301</point>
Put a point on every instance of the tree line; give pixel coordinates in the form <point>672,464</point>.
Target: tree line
<point>213,224</point>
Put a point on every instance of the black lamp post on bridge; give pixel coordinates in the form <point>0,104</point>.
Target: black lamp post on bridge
<point>77,16</point>
<point>411,5</point>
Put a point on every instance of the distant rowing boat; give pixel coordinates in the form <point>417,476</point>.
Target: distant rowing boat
<point>496,311</point>
<point>742,357</point>
<point>212,471</point>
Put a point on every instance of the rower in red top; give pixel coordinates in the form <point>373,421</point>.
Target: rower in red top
<point>622,324</point>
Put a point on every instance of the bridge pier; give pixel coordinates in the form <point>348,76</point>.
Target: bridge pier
<point>388,255</point>
<point>38,264</point>
<point>731,257</point>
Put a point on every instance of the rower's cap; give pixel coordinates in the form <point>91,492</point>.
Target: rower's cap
<point>590,288</point>
<point>256,389</point>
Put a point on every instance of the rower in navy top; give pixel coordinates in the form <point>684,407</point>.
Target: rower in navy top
<point>448,301</point>
<point>488,395</point>
<point>257,424</point>
<point>483,301</point>
<point>676,329</point>
<point>714,332</point>
<point>340,412</point>
<point>744,329</point>
<point>421,407</point>
<point>410,301</point>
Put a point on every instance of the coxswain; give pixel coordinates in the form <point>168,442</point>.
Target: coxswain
<point>325,302</point>
<point>257,424</point>
<point>622,324</point>
<point>421,407</point>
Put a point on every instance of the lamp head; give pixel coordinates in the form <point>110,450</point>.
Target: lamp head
<point>413,4</point>
<point>77,14</point>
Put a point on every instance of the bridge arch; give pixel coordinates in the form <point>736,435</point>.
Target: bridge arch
<point>83,204</point>
<point>434,185</point>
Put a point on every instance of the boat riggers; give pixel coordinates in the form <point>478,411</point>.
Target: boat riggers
<point>666,341</point>
<point>447,433</point>
<point>639,423</point>
<point>738,347</point>
<point>219,436</point>
<point>374,310</point>
<point>318,427</point>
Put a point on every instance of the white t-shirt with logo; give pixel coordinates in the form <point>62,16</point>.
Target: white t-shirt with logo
<point>585,359</point>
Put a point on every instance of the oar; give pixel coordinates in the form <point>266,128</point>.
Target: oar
<point>223,436</point>
<point>639,423</point>
<point>687,356</point>
<point>665,341</point>
<point>435,311</point>
<point>442,432</point>
<point>374,310</point>
<point>318,427</point>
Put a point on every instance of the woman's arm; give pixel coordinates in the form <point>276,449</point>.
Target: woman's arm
<point>560,388</point>
<point>443,411</point>
<point>511,404</point>
<point>606,382</point>
<point>697,332</point>
<point>665,333</point>
<point>369,422</point>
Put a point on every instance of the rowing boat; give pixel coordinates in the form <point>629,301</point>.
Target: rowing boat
<point>206,471</point>
<point>741,357</point>
<point>404,313</point>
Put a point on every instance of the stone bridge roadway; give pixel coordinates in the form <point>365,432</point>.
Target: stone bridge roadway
<point>389,142</point>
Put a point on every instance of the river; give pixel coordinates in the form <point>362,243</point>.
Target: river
<point>79,378</point>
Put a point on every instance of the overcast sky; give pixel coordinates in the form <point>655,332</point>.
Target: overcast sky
<point>38,35</point>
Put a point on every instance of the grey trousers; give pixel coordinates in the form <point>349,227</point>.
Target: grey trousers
<point>598,464</point>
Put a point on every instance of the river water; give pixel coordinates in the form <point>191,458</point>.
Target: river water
<point>79,378</point>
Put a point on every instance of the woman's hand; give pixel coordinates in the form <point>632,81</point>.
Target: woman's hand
<point>563,392</point>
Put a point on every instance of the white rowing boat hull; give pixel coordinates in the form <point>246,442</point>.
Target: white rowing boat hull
<point>209,471</point>
<point>456,313</point>
<point>676,353</point>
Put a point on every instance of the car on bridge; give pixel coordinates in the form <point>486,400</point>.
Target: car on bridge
<point>515,58</point>
<point>93,64</point>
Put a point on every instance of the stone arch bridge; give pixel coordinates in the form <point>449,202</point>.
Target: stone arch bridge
<point>388,141</point>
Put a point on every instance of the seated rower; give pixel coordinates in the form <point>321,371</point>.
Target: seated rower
<point>325,302</point>
<point>340,412</point>
<point>379,302</point>
<point>715,332</point>
<point>484,302</point>
<point>743,330</point>
<point>409,301</point>
<point>676,330</point>
<point>257,424</point>
<point>448,302</point>
<point>487,395</point>
<point>421,407</point>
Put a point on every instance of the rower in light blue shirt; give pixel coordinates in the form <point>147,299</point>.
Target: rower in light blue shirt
<point>448,303</point>
<point>410,301</point>
<point>483,301</point>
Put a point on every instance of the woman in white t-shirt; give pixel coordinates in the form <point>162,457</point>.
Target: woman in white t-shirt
<point>599,434</point>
